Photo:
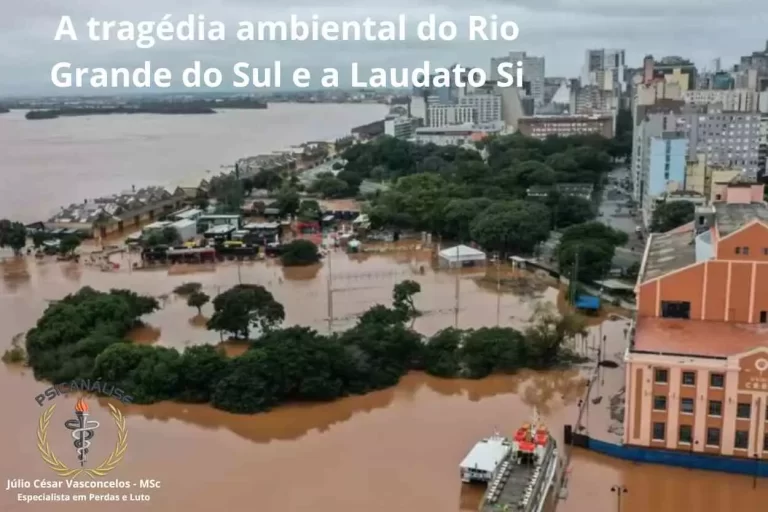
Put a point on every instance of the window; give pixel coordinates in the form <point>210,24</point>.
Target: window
<point>661,376</point>
<point>675,309</point>
<point>745,251</point>
<point>716,380</point>
<point>685,433</point>
<point>738,250</point>
<point>659,403</point>
<point>689,379</point>
<point>763,317</point>
<point>715,408</point>
<point>765,442</point>
<point>659,431</point>
<point>713,436</point>
<point>686,405</point>
<point>743,411</point>
<point>741,440</point>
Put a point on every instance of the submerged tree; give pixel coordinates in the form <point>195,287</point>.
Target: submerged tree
<point>243,307</point>
<point>402,297</point>
<point>197,300</point>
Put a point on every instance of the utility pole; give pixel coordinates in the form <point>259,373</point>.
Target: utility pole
<point>498,289</point>
<point>456,298</point>
<point>575,276</point>
<point>330,292</point>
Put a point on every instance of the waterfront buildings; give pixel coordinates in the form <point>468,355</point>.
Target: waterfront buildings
<point>400,127</point>
<point>543,126</point>
<point>697,365</point>
<point>104,216</point>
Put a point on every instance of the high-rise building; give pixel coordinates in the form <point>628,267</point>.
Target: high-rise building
<point>649,121</point>
<point>604,68</point>
<point>487,106</point>
<point>666,166</point>
<point>533,72</point>
<point>729,139</point>
<point>439,115</point>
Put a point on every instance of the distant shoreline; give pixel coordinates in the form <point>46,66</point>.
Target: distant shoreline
<point>189,108</point>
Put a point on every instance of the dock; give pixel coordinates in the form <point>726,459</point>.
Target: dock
<point>516,482</point>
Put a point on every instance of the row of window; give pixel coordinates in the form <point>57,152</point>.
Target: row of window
<point>716,380</point>
<point>743,410</point>
<point>745,250</point>
<point>685,436</point>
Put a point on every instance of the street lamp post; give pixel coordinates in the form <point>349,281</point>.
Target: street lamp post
<point>757,471</point>
<point>620,490</point>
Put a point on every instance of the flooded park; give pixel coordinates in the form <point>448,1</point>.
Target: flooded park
<point>392,450</point>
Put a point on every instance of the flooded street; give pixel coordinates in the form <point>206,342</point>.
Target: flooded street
<point>392,450</point>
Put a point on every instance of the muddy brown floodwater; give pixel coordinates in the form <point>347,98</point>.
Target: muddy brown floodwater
<point>395,450</point>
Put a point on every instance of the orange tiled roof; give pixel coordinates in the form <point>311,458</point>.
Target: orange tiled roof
<point>698,337</point>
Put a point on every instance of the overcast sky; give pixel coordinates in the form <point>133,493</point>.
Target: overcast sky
<point>560,30</point>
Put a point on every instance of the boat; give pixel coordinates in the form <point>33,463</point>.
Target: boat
<point>519,473</point>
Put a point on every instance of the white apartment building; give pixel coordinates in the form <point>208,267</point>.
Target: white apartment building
<point>400,127</point>
<point>487,106</point>
<point>733,100</point>
<point>533,72</point>
<point>439,115</point>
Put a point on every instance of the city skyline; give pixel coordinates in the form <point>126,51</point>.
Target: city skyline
<point>27,49</point>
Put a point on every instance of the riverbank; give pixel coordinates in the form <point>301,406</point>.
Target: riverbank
<point>193,107</point>
<point>82,111</point>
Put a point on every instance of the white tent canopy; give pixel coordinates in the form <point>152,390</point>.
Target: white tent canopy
<point>461,255</point>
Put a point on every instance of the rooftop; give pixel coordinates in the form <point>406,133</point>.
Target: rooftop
<point>112,207</point>
<point>669,251</point>
<point>697,337</point>
<point>676,249</point>
<point>487,454</point>
<point>732,216</point>
<point>339,205</point>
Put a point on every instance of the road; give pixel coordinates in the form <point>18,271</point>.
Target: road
<point>614,212</point>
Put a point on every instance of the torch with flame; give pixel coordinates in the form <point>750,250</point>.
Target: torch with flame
<point>82,429</point>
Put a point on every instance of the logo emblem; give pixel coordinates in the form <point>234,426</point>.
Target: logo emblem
<point>83,431</point>
<point>761,365</point>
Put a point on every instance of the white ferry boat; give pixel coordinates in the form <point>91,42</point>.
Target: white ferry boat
<point>519,472</point>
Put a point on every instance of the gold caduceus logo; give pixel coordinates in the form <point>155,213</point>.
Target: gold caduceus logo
<point>83,431</point>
